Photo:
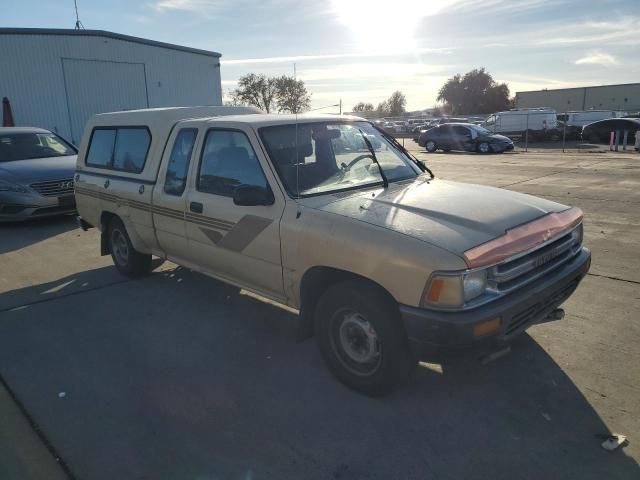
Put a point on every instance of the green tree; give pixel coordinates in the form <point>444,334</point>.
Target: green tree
<point>291,95</point>
<point>382,110</point>
<point>363,107</point>
<point>256,90</point>
<point>475,92</point>
<point>397,103</point>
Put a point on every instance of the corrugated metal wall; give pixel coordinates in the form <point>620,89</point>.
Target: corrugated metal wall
<point>40,72</point>
<point>605,97</point>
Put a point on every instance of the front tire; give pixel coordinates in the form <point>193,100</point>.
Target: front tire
<point>362,339</point>
<point>126,258</point>
<point>431,146</point>
<point>484,147</point>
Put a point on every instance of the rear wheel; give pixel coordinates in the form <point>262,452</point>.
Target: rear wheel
<point>484,147</point>
<point>431,146</point>
<point>127,259</point>
<point>362,339</point>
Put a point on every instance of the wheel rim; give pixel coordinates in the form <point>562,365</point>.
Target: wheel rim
<point>484,147</point>
<point>431,145</point>
<point>355,342</point>
<point>119,247</point>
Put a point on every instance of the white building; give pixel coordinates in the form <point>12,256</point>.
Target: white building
<point>58,78</point>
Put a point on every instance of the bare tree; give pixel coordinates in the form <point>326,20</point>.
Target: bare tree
<point>256,90</point>
<point>291,95</point>
<point>363,107</point>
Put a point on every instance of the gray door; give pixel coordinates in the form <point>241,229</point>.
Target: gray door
<point>97,86</point>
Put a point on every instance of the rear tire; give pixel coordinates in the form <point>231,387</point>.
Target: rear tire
<point>431,146</point>
<point>127,259</point>
<point>362,339</point>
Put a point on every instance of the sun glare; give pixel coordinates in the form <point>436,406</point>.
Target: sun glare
<point>385,25</point>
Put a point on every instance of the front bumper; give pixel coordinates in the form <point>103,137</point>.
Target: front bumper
<point>23,206</point>
<point>502,147</point>
<point>438,332</point>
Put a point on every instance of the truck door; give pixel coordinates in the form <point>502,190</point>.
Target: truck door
<point>169,195</point>
<point>237,243</point>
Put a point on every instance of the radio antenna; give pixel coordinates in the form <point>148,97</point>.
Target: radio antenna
<point>297,158</point>
<point>79,25</point>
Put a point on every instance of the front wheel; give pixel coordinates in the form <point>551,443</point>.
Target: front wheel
<point>484,147</point>
<point>431,146</point>
<point>362,339</point>
<point>127,259</point>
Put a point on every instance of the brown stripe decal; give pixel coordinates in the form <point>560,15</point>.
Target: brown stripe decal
<point>213,235</point>
<point>245,231</point>
<point>238,237</point>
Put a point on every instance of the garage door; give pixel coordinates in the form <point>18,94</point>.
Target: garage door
<point>96,86</point>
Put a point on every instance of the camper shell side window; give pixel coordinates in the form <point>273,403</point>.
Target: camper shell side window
<point>121,148</point>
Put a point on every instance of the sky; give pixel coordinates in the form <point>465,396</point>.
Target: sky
<point>363,50</point>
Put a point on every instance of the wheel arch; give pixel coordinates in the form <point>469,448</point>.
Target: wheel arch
<point>105,218</point>
<point>314,283</point>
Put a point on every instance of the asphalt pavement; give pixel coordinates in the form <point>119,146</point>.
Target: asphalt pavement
<point>178,376</point>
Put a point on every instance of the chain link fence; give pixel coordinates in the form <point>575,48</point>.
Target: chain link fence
<point>531,130</point>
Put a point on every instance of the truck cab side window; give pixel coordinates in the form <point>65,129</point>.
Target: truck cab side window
<point>178,167</point>
<point>228,160</point>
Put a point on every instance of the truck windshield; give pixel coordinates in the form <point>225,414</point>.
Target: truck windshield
<point>320,158</point>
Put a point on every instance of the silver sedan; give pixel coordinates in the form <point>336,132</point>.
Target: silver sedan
<point>36,173</point>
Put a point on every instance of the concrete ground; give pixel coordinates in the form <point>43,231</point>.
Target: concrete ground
<point>178,376</point>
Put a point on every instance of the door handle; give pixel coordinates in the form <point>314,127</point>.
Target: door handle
<point>196,207</point>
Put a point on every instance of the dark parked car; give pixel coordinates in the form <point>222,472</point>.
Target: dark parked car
<point>464,136</point>
<point>36,173</point>
<point>598,132</point>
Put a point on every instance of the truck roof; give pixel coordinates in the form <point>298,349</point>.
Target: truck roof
<point>171,115</point>
<point>263,120</point>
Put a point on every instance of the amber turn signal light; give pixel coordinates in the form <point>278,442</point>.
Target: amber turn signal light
<point>485,328</point>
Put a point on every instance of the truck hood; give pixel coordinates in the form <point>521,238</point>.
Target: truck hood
<point>38,169</point>
<point>451,215</point>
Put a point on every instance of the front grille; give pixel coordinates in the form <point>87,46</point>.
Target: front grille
<point>54,188</point>
<point>512,274</point>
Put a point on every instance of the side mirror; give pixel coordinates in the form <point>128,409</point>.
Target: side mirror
<point>251,195</point>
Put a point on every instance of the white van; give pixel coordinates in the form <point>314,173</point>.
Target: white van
<point>538,121</point>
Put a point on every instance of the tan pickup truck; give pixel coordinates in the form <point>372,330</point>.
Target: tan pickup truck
<point>331,216</point>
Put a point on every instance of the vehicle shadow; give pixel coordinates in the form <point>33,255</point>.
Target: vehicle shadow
<point>180,376</point>
<point>69,285</point>
<point>17,235</point>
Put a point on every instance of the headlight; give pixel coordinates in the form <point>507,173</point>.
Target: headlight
<point>11,187</point>
<point>455,290</point>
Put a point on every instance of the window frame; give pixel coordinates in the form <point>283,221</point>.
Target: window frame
<point>113,151</point>
<point>201,157</point>
<point>196,130</point>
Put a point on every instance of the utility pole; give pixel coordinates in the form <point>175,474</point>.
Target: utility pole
<point>340,106</point>
<point>79,25</point>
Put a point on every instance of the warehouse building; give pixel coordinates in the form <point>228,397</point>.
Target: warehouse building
<point>623,97</point>
<point>58,78</point>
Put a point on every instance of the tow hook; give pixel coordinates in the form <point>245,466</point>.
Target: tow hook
<point>557,314</point>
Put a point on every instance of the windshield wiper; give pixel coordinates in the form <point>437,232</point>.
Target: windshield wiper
<point>385,182</point>
<point>409,155</point>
